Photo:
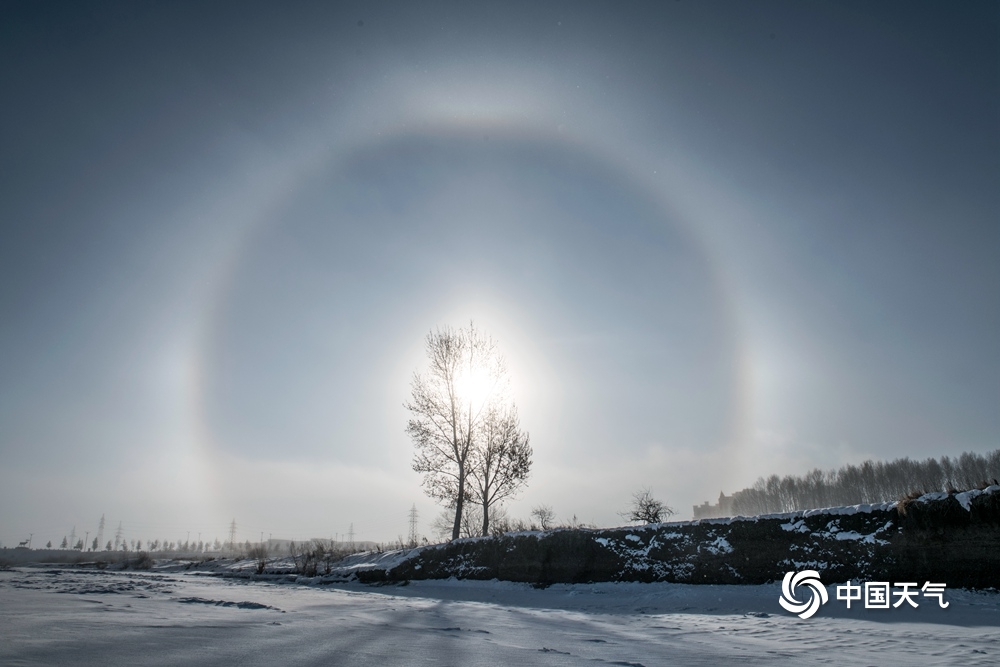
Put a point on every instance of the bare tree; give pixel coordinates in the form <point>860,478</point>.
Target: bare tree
<point>304,557</point>
<point>646,509</point>
<point>472,522</point>
<point>440,527</point>
<point>501,460</point>
<point>448,405</point>
<point>546,517</point>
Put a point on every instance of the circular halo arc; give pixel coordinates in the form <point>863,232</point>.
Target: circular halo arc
<point>342,154</point>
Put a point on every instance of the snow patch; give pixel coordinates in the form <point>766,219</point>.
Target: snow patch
<point>965,498</point>
<point>795,526</point>
<point>852,535</point>
<point>719,546</point>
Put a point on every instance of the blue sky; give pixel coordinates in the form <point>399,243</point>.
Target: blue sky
<point>715,241</point>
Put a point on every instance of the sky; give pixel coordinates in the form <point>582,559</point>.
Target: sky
<point>714,241</point>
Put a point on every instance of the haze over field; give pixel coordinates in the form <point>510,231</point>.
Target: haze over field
<point>714,241</point>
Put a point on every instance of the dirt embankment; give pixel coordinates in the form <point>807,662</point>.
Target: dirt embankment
<point>952,539</point>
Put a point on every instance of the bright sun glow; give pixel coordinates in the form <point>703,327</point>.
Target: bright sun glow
<point>474,385</point>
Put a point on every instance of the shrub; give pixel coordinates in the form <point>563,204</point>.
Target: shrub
<point>142,561</point>
<point>260,554</point>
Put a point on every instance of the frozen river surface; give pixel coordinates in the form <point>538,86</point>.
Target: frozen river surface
<point>67,616</point>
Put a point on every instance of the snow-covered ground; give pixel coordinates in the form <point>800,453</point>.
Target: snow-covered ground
<point>52,616</point>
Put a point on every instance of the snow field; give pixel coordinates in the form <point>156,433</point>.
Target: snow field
<point>69,616</point>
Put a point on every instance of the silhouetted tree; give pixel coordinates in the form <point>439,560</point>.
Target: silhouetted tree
<point>501,458</point>
<point>545,516</point>
<point>447,407</point>
<point>646,509</point>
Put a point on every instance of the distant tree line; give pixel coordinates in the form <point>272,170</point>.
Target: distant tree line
<point>870,482</point>
<point>122,544</point>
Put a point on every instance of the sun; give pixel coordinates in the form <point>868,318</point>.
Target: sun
<point>473,386</point>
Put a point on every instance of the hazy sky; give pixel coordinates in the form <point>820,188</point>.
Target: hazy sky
<point>715,241</point>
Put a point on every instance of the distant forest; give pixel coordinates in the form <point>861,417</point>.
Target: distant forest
<point>870,482</point>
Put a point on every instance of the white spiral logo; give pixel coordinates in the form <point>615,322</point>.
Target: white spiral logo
<point>817,597</point>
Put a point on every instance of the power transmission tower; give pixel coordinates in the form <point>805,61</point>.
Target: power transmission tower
<point>350,537</point>
<point>118,535</point>
<point>413,526</point>
<point>232,535</point>
<point>100,532</point>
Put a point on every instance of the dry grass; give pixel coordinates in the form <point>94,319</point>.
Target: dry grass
<point>905,501</point>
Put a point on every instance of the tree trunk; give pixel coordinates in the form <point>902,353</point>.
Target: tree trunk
<point>486,501</point>
<point>456,529</point>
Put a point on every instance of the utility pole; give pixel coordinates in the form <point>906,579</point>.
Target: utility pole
<point>413,526</point>
<point>30,535</point>
<point>86,536</point>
